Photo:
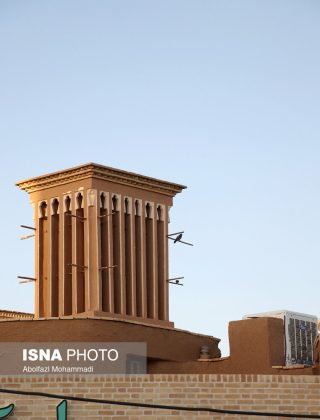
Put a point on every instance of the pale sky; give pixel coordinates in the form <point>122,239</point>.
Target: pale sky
<point>221,96</point>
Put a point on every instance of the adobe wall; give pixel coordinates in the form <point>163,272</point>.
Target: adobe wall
<point>163,343</point>
<point>271,393</point>
<point>256,346</point>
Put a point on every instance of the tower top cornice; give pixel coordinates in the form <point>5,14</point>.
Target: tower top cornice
<point>97,171</point>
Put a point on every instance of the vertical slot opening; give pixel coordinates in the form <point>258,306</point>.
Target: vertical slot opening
<point>128,258</point>
<point>67,258</point>
<point>43,259</point>
<point>138,243</point>
<point>162,284</point>
<point>55,259</point>
<point>80,254</point>
<point>116,254</point>
<point>149,262</point>
<point>105,273</point>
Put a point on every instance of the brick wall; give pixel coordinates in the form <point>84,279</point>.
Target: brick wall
<point>273,393</point>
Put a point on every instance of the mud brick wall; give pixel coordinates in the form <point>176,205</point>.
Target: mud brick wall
<point>284,394</point>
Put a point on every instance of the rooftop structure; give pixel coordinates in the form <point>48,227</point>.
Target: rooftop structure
<point>102,274</point>
<point>101,243</point>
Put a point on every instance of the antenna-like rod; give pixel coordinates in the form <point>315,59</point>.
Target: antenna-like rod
<point>79,267</point>
<point>107,215</point>
<point>174,234</point>
<point>26,237</point>
<point>82,219</point>
<point>26,279</point>
<point>175,280</point>
<point>28,227</point>
<point>106,268</point>
<point>178,238</point>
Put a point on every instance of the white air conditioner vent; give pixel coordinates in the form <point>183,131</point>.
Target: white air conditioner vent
<point>300,332</point>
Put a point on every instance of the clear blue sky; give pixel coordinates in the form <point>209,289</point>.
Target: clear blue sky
<point>222,96</point>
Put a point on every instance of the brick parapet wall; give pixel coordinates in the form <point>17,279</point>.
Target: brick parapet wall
<point>271,393</point>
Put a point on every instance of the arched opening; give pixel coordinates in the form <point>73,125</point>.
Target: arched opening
<point>43,209</point>
<point>55,206</point>
<point>114,203</point>
<point>67,204</point>
<point>148,210</point>
<point>102,200</point>
<point>137,207</point>
<point>79,200</point>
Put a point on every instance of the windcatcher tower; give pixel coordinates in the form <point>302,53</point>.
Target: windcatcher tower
<point>101,244</point>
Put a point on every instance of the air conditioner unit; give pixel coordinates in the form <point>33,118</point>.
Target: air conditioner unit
<point>300,332</point>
